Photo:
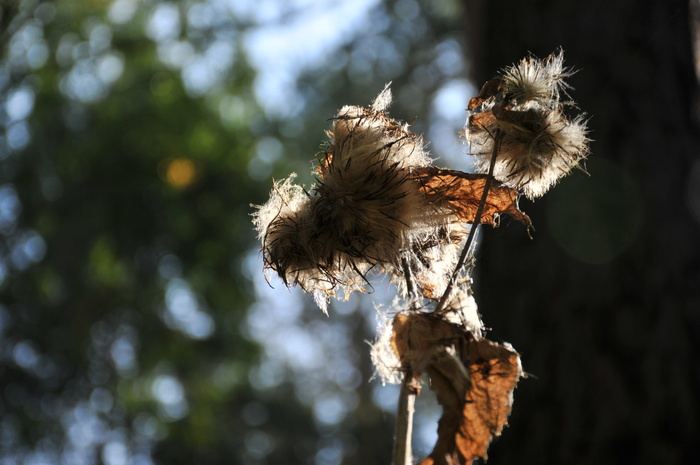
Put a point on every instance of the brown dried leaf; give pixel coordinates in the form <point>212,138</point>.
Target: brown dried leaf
<point>472,416</point>
<point>491,87</point>
<point>474,103</point>
<point>416,334</point>
<point>495,370</point>
<point>482,121</point>
<point>473,379</point>
<point>450,380</point>
<point>462,193</point>
<point>488,90</point>
<point>429,290</point>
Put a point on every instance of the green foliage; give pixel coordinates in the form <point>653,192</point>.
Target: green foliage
<point>127,195</point>
<point>124,234</point>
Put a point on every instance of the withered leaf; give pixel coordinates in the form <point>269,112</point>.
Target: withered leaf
<point>416,334</point>
<point>429,290</point>
<point>495,370</point>
<point>488,90</point>
<point>451,381</point>
<point>474,103</point>
<point>475,409</point>
<point>482,121</point>
<point>462,193</point>
<point>491,87</point>
<point>473,379</point>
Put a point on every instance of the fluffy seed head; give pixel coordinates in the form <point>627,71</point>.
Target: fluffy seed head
<point>366,195</point>
<point>522,109</point>
<point>534,82</point>
<point>536,150</point>
<point>366,211</point>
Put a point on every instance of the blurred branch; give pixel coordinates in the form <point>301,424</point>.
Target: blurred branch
<point>404,421</point>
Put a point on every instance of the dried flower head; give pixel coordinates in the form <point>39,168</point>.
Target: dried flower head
<point>292,246</point>
<point>522,109</point>
<point>366,196</point>
<point>535,83</point>
<point>367,211</point>
<point>379,204</point>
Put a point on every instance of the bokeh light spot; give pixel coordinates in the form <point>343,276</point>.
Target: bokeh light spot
<point>168,391</point>
<point>180,172</point>
<point>20,103</point>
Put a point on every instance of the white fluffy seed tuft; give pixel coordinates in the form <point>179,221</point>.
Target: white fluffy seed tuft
<point>523,110</point>
<point>533,82</point>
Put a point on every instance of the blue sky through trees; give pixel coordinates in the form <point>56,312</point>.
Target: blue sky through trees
<point>294,49</point>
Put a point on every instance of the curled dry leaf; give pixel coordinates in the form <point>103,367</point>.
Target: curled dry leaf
<point>488,90</point>
<point>495,369</point>
<point>465,433</point>
<point>473,379</point>
<point>416,334</point>
<point>462,192</point>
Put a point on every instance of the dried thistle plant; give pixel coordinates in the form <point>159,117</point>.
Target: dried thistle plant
<point>380,205</point>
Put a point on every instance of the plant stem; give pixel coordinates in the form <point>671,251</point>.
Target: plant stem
<point>410,288</point>
<point>472,232</point>
<point>404,421</point>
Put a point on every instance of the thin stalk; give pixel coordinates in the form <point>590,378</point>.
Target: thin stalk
<point>404,421</point>
<point>408,276</point>
<point>407,395</point>
<point>472,232</point>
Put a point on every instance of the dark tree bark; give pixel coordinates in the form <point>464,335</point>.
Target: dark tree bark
<point>604,303</point>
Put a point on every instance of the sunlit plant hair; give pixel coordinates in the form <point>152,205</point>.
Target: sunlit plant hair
<point>366,212</point>
<point>523,108</point>
<point>534,82</point>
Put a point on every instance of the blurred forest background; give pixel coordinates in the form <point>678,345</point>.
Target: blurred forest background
<point>136,326</point>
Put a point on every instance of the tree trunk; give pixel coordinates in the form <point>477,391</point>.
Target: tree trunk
<point>604,303</point>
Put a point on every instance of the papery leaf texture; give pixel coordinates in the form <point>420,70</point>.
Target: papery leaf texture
<point>462,192</point>
<point>473,379</point>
